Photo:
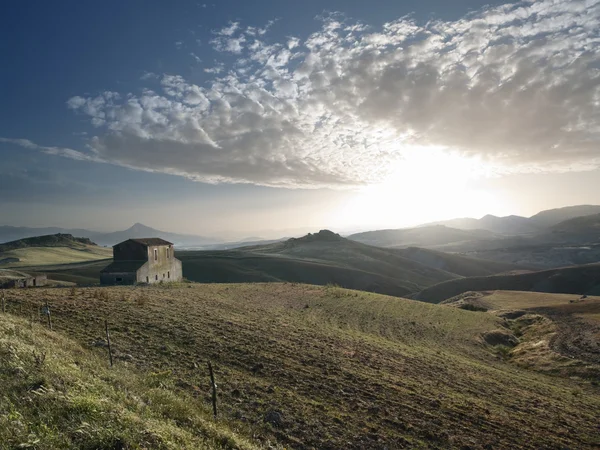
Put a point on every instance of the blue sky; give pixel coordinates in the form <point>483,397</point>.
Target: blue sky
<point>235,118</point>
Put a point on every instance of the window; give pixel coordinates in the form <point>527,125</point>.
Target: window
<point>168,274</point>
<point>118,280</point>
<point>163,275</point>
<point>168,252</point>
<point>156,277</point>
<point>147,280</point>
<point>156,255</point>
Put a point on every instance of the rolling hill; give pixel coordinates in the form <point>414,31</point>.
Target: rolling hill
<point>138,230</point>
<point>426,236</point>
<point>552,217</point>
<point>579,280</point>
<point>50,250</point>
<point>297,366</point>
<point>319,258</point>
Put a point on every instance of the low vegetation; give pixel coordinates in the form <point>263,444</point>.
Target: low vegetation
<point>58,395</point>
<point>302,367</point>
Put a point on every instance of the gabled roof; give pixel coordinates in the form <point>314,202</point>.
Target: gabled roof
<point>123,266</point>
<point>149,242</point>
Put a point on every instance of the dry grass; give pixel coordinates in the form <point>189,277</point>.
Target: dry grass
<point>344,369</point>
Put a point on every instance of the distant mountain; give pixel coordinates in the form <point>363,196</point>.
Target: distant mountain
<point>575,280</point>
<point>425,236</point>
<point>584,224</point>
<point>552,217</point>
<point>516,225</point>
<point>503,225</point>
<point>138,230</point>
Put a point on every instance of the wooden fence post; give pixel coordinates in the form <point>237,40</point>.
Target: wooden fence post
<point>48,314</point>
<point>214,389</point>
<point>108,341</point>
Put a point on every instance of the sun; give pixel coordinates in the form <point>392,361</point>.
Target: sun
<point>428,184</point>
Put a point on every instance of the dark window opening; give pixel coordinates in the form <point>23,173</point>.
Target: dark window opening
<point>168,252</point>
<point>155,254</point>
<point>118,280</point>
<point>147,280</point>
<point>156,277</point>
<point>168,274</point>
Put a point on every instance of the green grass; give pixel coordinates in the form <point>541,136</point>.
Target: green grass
<point>57,395</point>
<point>345,369</point>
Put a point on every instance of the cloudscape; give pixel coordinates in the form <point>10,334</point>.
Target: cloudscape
<point>438,116</point>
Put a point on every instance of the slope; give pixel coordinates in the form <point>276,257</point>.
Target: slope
<point>50,249</point>
<point>426,236</point>
<point>551,217</point>
<point>457,264</point>
<point>58,395</point>
<point>568,280</point>
<point>322,367</point>
<point>319,258</point>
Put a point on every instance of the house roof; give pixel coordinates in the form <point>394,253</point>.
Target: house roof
<point>123,266</point>
<point>149,242</point>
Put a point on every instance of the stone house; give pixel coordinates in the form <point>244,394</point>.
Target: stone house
<point>147,260</point>
<point>22,280</point>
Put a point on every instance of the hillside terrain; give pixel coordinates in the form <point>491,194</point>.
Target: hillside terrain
<point>137,230</point>
<point>558,333</point>
<point>50,250</point>
<point>580,280</point>
<point>302,366</point>
<point>58,395</point>
<point>426,236</point>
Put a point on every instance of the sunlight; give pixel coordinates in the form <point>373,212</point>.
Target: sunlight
<point>428,184</point>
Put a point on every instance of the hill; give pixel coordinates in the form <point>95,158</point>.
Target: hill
<point>568,280</point>
<point>319,258</point>
<point>58,395</point>
<point>138,230</point>
<point>302,366</point>
<point>507,225</point>
<point>457,264</point>
<point>426,236</point>
<point>552,217</point>
<point>588,226</point>
<point>50,250</point>
<point>51,240</point>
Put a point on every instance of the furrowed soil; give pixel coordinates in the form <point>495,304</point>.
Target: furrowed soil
<point>323,367</point>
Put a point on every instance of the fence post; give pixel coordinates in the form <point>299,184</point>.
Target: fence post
<point>214,389</point>
<point>48,314</point>
<point>108,341</point>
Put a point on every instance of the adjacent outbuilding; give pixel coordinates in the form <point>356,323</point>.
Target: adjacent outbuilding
<point>146,260</point>
<point>15,279</point>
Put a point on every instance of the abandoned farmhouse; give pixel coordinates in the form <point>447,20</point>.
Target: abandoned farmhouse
<point>147,260</point>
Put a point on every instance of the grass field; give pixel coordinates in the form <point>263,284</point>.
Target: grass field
<point>58,395</point>
<point>40,256</point>
<point>324,367</point>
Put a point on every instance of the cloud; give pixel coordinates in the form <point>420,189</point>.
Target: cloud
<point>515,86</point>
<point>57,151</point>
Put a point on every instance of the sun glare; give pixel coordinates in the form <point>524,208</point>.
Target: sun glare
<point>426,185</point>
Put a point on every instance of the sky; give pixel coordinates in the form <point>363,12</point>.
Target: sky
<point>237,118</point>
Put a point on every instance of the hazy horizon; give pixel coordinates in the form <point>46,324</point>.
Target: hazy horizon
<point>241,120</point>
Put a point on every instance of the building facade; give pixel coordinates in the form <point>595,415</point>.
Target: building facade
<point>147,260</point>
